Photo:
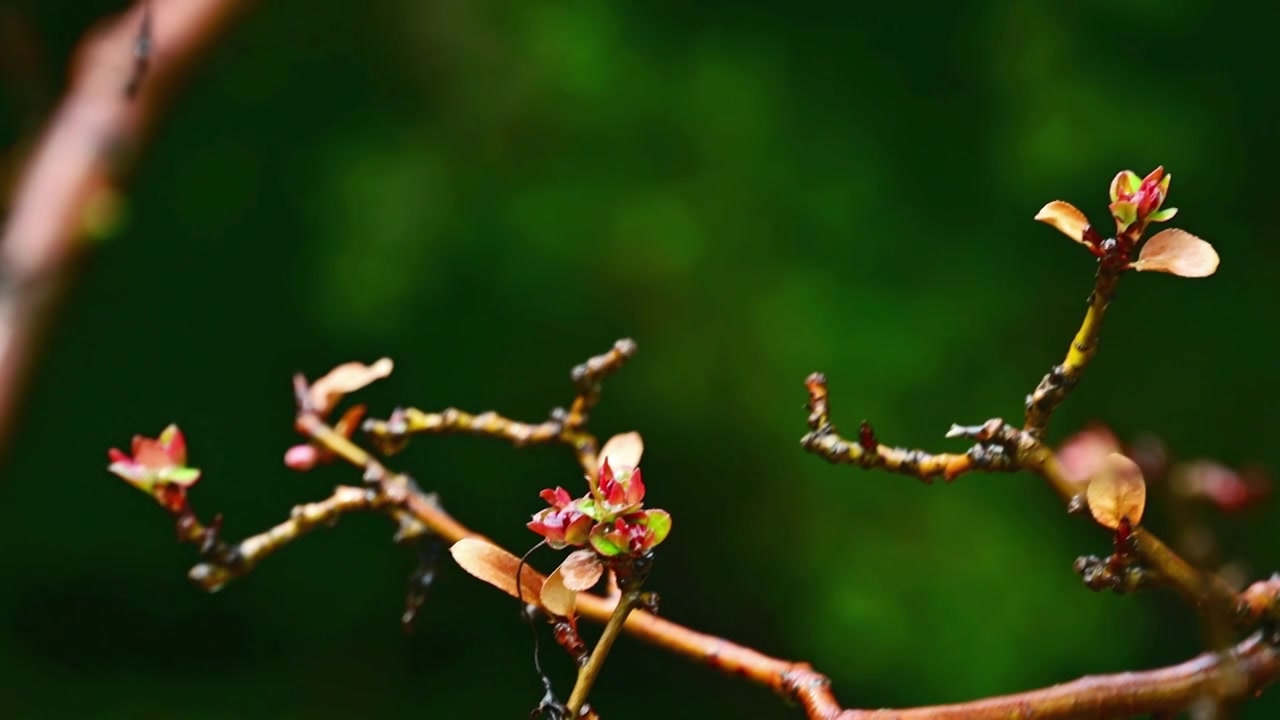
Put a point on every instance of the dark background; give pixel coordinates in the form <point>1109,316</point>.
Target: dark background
<point>491,192</point>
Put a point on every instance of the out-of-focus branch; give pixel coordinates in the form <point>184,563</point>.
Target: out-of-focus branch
<point>1235,674</point>
<point>74,172</point>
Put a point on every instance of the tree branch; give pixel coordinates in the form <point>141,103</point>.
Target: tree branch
<point>1236,674</point>
<point>1255,661</point>
<point>1062,379</point>
<point>587,674</point>
<point>1247,668</point>
<point>1004,448</point>
<point>566,427</point>
<point>227,562</point>
<point>78,163</point>
<point>867,452</point>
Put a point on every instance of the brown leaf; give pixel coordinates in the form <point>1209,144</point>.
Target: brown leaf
<point>1177,252</point>
<point>581,570</point>
<point>343,379</point>
<point>496,566</point>
<point>556,598</point>
<point>1117,492</point>
<point>1066,218</point>
<point>623,450</point>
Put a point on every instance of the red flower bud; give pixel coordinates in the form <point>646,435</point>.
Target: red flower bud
<point>162,461</point>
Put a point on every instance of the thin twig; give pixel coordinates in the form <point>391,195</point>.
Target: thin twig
<point>1062,379</point>
<point>227,562</point>
<point>588,673</point>
<point>1005,448</point>
<point>564,427</point>
<point>867,452</point>
<point>1236,674</point>
<point>77,165</point>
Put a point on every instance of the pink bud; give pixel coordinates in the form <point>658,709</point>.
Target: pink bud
<point>301,457</point>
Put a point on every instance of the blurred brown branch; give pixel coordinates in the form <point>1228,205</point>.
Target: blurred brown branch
<point>86,149</point>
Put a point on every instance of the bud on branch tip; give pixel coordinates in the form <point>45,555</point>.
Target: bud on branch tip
<point>1135,204</point>
<point>157,467</point>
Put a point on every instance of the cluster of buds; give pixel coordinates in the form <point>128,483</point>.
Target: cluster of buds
<point>609,525</point>
<point>610,518</point>
<point>1135,204</point>
<point>157,467</point>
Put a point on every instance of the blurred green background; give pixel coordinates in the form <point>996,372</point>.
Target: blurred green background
<point>491,192</point>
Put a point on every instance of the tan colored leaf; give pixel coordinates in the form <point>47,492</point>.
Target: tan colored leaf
<point>343,379</point>
<point>1066,218</point>
<point>623,450</point>
<point>1117,492</point>
<point>556,598</point>
<point>581,570</point>
<point>1177,252</point>
<point>496,566</point>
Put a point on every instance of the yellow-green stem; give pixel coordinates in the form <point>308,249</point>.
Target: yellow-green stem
<point>587,675</point>
<point>1053,389</point>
